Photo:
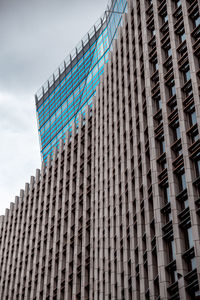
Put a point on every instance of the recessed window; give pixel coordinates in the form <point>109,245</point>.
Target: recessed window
<point>177,148</point>
<point>197,21</point>
<point>172,91</point>
<point>165,18</point>
<point>182,37</point>
<point>185,204</point>
<point>174,276</point>
<point>156,66</point>
<point>187,75</point>
<point>169,52</point>
<point>193,118</point>
<point>177,133</point>
<point>193,263</point>
<point>197,167</point>
<point>180,151</point>
<point>172,252</point>
<point>189,238</point>
<point>164,165</point>
<point>195,18</point>
<point>195,136</point>
<point>159,103</point>
<point>169,216</point>
<point>186,72</point>
<point>162,146</point>
<point>182,182</point>
<point>166,194</point>
<point>178,3</point>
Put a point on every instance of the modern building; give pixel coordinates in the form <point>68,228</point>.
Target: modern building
<point>73,85</point>
<point>115,214</point>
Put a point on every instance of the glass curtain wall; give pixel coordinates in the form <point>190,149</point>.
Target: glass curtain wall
<point>73,85</point>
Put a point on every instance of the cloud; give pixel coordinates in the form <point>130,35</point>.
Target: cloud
<point>15,113</point>
<point>20,154</point>
<point>37,35</point>
<point>35,38</point>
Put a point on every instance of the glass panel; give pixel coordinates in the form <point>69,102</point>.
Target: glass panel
<point>166,18</point>
<point>169,52</point>
<point>183,37</point>
<point>183,182</point>
<point>78,78</point>
<point>172,91</point>
<point>172,252</point>
<point>167,194</point>
<point>197,166</point>
<point>186,204</point>
<point>193,118</point>
<point>193,263</point>
<point>197,21</point>
<point>162,146</point>
<point>190,238</point>
<point>159,104</point>
<point>178,133</point>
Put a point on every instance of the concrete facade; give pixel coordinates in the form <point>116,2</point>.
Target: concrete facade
<point>116,213</point>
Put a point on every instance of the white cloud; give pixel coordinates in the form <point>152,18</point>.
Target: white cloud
<point>20,154</point>
<point>35,37</point>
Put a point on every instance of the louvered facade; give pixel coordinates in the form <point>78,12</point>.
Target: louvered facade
<point>116,213</point>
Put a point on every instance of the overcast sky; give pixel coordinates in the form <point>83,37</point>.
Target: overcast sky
<point>35,36</point>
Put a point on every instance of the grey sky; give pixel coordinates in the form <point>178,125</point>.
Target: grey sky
<point>35,37</point>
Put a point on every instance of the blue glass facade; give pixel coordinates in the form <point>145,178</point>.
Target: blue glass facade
<point>73,85</point>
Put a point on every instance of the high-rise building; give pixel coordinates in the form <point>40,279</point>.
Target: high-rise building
<point>115,214</point>
<point>73,85</point>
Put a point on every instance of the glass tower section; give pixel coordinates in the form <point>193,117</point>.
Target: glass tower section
<point>73,85</point>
